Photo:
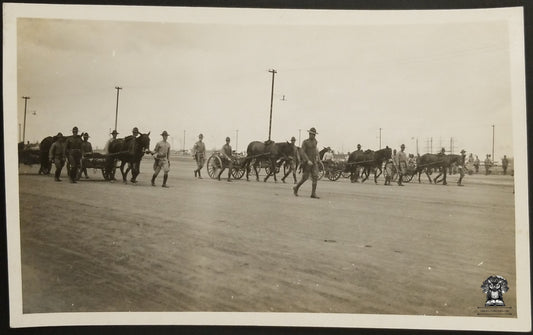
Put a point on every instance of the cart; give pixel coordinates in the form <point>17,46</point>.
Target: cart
<point>215,163</point>
<point>96,161</point>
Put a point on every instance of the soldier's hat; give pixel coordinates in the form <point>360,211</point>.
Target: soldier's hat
<point>312,131</point>
<point>358,145</point>
<point>114,132</point>
<point>227,138</point>
<point>201,135</point>
<point>402,146</point>
<point>135,130</point>
<point>86,135</point>
<point>75,128</point>
<point>164,133</point>
<point>293,139</point>
<point>463,151</point>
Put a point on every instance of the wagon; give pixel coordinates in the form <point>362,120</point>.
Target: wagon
<point>334,169</point>
<point>95,161</point>
<point>215,163</point>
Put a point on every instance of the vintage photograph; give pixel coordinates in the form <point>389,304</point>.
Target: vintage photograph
<point>266,167</point>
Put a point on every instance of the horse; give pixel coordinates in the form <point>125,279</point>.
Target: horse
<point>44,152</point>
<point>369,160</point>
<point>450,161</point>
<point>130,150</point>
<point>266,151</point>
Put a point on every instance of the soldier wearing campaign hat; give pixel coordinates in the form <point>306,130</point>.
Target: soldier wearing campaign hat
<point>198,152</point>
<point>57,155</point>
<point>86,150</point>
<point>162,159</point>
<point>292,161</point>
<point>73,151</point>
<point>227,159</point>
<point>309,156</point>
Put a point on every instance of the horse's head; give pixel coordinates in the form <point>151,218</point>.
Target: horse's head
<point>143,142</point>
<point>384,154</point>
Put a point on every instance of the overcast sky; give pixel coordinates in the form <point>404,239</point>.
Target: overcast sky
<point>414,81</point>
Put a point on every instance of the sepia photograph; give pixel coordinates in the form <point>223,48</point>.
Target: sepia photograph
<point>266,167</point>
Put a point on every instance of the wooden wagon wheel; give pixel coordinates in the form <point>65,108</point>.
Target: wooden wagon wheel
<point>333,175</point>
<point>214,165</point>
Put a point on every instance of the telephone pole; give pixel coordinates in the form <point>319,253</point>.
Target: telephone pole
<point>237,140</point>
<point>492,143</point>
<point>273,71</point>
<point>24,128</point>
<point>380,138</point>
<point>116,111</point>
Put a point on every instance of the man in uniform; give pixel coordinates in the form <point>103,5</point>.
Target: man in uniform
<point>110,160</point>
<point>227,159</point>
<point>505,164</point>
<point>162,159</point>
<point>293,160</point>
<point>73,152</point>
<point>86,149</point>
<point>358,168</point>
<point>402,164</point>
<point>488,164</point>
<point>57,155</point>
<point>135,132</point>
<point>476,164</point>
<point>310,159</point>
<point>198,152</point>
<point>461,168</point>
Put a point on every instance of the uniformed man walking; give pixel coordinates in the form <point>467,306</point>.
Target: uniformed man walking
<point>162,155</point>
<point>57,155</point>
<point>309,155</point>
<point>402,164</point>
<point>198,151</point>
<point>73,152</point>
<point>227,159</point>
<point>110,161</point>
<point>86,149</point>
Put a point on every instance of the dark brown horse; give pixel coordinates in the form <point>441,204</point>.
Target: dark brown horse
<point>440,162</point>
<point>130,150</point>
<point>269,152</point>
<point>369,161</point>
<point>44,148</point>
<point>449,162</point>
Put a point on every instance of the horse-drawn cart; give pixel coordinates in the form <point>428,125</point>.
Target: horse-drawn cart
<point>97,161</point>
<point>215,163</point>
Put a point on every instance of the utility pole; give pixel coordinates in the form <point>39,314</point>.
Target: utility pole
<point>493,144</point>
<point>24,129</point>
<point>116,111</point>
<point>237,140</point>
<point>431,145</point>
<point>451,145</point>
<point>417,146</point>
<point>380,138</point>
<point>273,71</point>
<point>184,141</point>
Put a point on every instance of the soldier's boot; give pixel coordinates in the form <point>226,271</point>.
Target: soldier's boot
<point>195,173</point>
<point>57,174</point>
<point>165,177</point>
<point>153,180</point>
<point>313,191</point>
<point>199,175</point>
<point>229,175</point>
<point>400,180</point>
<point>295,188</point>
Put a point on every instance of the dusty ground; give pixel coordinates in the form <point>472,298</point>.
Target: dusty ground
<point>205,245</point>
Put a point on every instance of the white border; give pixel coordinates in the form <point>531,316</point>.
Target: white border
<point>514,18</point>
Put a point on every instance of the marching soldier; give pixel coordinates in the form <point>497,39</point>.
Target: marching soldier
<point>227,159</point>
<point>86,149</point>
<point>309,155</point>
<point>199,155</point>
<point>162,155</point>
<point>57,155</point>
<point>110,160</point>
<point>402,164</point>
<point>73,152</point>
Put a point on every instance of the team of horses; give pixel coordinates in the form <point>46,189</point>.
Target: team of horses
<point>272,155</point>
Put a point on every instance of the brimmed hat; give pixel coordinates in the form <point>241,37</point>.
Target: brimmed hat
<point>164,133</point>
<point>114,132</point>
<point>312,131</point>
<point>402,146</point>
<point>293,139</point>
<point>135,130</point>
<point>201,135</point>
<point>75,128</point>
<point>86,135</point>
<point>463,151</point>
<point>227,139</point>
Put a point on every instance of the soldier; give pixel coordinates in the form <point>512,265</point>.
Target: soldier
<point>488,164</point>
<point>57,155</point>
<point>162,156</point>
<point>227,159</point>
<point>135,132</point>
<point>402,164</point>
<point>198,152</point>
<point>310,159</point>
<point>110,162</point>
<point>505,164</point>
<point>293,161</point>
<point>358,167</point>
<point>461,168</point>
<point>476,164</point>
<point>73,152</point>
<point>86,149</point>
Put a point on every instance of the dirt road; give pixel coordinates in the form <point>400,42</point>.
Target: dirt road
<point>207,245</point>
